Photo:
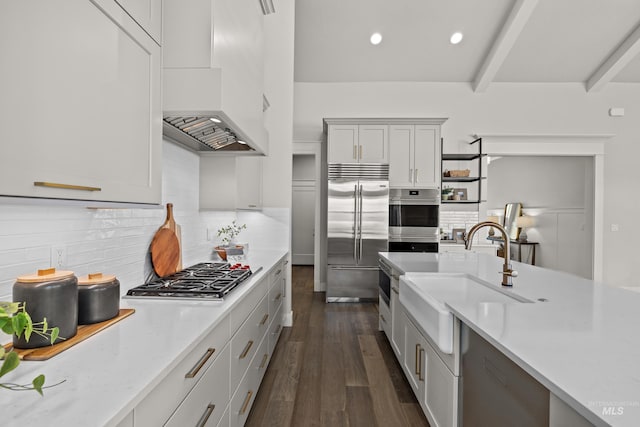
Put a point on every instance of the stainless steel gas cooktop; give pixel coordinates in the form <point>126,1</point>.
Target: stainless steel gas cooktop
<point>206,281</point>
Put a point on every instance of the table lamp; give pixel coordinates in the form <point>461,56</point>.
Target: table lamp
<point>493,218</point>
<point>523,222</point>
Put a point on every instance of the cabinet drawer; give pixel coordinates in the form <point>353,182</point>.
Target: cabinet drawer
<point>384,319</point>
<point>243,398</point>
<point>261,359</point>
<point>156,408</point>
<point>246,306</point>
<point>275,329</point>
<point>246,341</point>
<point>205,404</point>
<point>277,273</point>
<point>276,295</point>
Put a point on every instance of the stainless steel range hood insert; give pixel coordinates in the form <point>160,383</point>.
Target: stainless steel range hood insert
<point>203,133</point>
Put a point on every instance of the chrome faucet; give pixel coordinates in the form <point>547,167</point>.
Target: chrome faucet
<point>507,272</point>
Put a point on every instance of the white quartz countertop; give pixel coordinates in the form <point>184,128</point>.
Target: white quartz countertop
<point>582,342</point>
<point>106,375</point>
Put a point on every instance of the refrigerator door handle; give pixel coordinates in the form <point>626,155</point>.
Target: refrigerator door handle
<point>355,223</point>
<point>360,225</point>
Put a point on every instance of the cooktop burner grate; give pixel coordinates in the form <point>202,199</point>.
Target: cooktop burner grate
<point>207,280</point>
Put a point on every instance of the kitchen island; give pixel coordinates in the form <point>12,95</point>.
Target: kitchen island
<point>134,363</point>
<point>577,338</point>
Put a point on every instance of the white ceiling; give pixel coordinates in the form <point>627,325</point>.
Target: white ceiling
<point>590,41</point>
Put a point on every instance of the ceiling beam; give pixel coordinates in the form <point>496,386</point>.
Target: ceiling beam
<point>513,26</point>
<point>619,59</point>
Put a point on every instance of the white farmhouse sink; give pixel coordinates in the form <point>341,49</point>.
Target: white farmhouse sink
<point>425,296</point>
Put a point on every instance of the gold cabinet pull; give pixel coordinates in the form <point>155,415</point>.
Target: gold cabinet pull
<point>278,272</point>
<point>278,296</point>
<point>206,415</point>
<point>264,319</point>
<point>415,176</point>
<point>66,186</point>
<point>264,360</point>
<point>421,373</point>
<point>417,367</point>
<point>277,331</point>
<point>247,400</point>
<point>383,319</point>
<point>246,350</point>
<point>194,371</point>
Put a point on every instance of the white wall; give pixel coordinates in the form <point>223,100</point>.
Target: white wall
<point>558,192</point>
<point>116,241</point>
<point>507,108</point>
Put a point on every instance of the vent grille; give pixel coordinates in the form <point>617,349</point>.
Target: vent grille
<point>211,135</point>
<point>358,171</point>
<point>267,7</point>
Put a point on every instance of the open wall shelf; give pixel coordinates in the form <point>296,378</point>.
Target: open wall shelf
<point>476,179</point>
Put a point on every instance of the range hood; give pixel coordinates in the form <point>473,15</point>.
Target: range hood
<point>212,88</point>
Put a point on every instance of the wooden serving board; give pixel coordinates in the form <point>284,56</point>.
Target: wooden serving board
<point>84,332</point>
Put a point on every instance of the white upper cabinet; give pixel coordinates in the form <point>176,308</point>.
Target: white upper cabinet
<point>358,143</point>
<point>414,155</point>
<point>80,106</point>
<point>147,13</point>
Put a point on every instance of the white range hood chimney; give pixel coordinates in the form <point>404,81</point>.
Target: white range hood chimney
<point>213,68</point>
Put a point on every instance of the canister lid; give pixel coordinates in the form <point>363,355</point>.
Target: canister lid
<point>95,279</point>
<point>45,275</point>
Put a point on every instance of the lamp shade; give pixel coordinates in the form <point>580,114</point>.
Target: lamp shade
<point>525,221</point>
<point>494,218</point>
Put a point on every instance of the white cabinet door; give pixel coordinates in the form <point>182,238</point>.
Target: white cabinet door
<point>397,322</point>
<point>401,146</point>
<point>427,156</point>
<point>440,394</point>
<point>80,103</point>
<point>343,143</point>
<point>413,358</point>
<point>147,13</point>
<point>373,144</point>
<point>249,182</point>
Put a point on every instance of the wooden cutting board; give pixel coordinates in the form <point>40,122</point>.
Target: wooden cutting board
<point>84,332</point>
<point>166,253</point>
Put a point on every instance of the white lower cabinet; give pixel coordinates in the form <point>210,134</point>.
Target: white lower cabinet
<point>397,321</point>
<point>163,400</point>
<point>206,402</point>
<point>216,383</point>
<point>434,385</point>
<point>384,318</point>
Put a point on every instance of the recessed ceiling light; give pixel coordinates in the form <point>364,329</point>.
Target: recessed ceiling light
<point>456,38</point>
<point>376,38</point>
<point>215,120</point>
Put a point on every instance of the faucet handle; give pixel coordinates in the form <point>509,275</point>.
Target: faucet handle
<point>512,273</point>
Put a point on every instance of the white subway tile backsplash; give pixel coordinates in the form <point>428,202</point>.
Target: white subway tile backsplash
<point>116,241</point>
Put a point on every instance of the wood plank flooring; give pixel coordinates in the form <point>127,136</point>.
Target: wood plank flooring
<point>333,368</point>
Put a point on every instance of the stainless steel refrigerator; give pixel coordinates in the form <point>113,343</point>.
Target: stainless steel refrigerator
<point>357,229</point>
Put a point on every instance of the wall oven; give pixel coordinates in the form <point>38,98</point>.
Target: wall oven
<point>414,218</point>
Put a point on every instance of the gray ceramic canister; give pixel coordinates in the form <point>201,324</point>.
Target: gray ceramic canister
<point>52,295</point>
<point>98,298</point>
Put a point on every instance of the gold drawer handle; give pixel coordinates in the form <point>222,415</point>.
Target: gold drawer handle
<point>206,415</point>
<point>246,350</point>
<point>383,319</point>
<point>421,373</point>
<point>278,272</point>
<point>66,186</point>
<point>417,367</point>
<point>247,400</point>
<point>264,360</point>
<point>278,296</point>
<point>264,319</point>
<point>194,371</point>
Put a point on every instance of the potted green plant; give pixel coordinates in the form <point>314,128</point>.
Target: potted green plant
<point>14,320</point>
<point>228,234</point>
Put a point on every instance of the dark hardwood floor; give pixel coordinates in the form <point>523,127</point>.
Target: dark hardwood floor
<point>333,368</point>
